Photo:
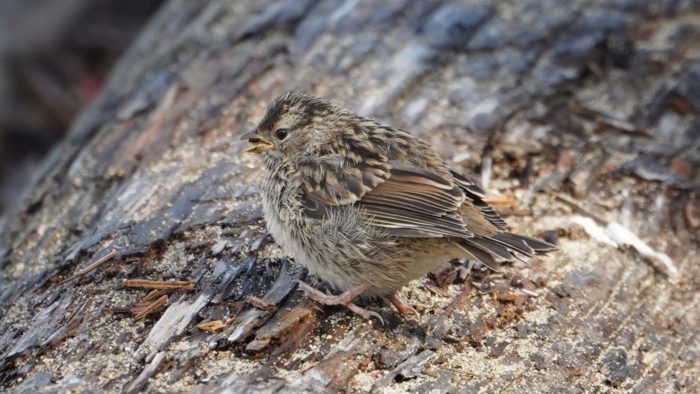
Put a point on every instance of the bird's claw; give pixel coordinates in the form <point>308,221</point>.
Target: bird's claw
<point>401,307</point>
<point>367,315</point>
<point>414,312</point>
<point>376,316</point>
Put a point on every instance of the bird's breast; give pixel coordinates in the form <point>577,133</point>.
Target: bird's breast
<point>281,210</point>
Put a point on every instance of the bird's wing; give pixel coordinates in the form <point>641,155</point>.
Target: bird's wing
<point>475,195</point>
<point>402,199</point>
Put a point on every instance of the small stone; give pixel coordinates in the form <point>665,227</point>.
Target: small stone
<point>538,360</point>
<point>615,363</point>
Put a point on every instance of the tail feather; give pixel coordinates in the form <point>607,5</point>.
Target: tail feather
<point>515,244</point>
<point>493,246</point>
<point>503,247</point>
<point>535,245</point>
<point>481,254</point>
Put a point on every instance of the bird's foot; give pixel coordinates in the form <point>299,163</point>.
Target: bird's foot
<point>344,299</point>
<point>401,307</point>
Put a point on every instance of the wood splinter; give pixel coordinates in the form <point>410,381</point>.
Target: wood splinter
<point>215,325</point>
<point>91,267</point>
<point>260,303</point>
<point>158,284</point>
<point>140,311</point>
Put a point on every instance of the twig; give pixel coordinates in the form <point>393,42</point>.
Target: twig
<point>115,309</point>
<point>141,312</point>
<point>578,207</point>
<point>158,284</point>
<point>154,294</point>
<point>92,266</point>
<point>215,325</point>
<point>607,119</point>
<point>529,293</point>
<point>260,303</point>
<point>437,291</point>
<point>148,372</point>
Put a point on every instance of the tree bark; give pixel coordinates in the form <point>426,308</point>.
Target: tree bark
<point>572,111</point>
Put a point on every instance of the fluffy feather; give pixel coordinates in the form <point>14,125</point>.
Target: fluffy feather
<point>358,202</point>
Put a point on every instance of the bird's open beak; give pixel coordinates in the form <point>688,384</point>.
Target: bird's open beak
<point>258,144</point>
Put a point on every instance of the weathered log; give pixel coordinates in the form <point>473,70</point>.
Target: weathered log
<point>548,99</point>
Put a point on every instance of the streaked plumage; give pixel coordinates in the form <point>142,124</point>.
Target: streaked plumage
<point>357,202</point>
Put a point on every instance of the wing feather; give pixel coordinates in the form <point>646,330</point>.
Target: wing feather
<point>404,200</point>
<point>476,195</point>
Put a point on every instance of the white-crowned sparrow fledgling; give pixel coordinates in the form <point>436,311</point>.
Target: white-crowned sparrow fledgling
<point>368,207</point>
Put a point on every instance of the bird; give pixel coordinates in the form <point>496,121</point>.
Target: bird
<point>367,207</point>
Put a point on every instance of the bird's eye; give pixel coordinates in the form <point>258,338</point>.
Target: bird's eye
<point>282,133</point>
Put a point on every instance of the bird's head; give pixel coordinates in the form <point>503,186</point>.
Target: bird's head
<point>295,124</point>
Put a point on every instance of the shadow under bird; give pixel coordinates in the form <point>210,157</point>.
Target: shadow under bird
<point>367,207</point>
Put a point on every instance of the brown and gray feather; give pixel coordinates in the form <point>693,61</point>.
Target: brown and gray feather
<point>357,201</point>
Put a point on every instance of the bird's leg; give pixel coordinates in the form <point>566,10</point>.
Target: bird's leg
<point>344,298</point>
<point>328,299</point>
<point>400,306</point>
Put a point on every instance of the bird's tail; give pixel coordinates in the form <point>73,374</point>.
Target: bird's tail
<point>503,247</point>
